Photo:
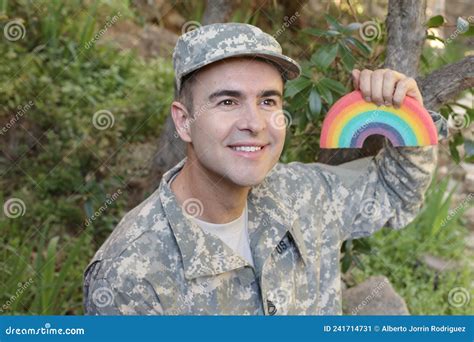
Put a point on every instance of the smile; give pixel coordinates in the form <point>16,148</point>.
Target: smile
<point>249,151</point>
<point>246,148</point>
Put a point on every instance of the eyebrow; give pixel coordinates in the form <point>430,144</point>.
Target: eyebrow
<point>239,94</point>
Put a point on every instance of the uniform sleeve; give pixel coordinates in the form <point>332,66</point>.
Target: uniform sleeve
<point>108,295</point>
<point>385,190</point>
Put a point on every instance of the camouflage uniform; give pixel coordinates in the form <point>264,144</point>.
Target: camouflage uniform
<point>158,261</point>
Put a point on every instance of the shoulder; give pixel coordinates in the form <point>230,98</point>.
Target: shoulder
<point>140,229</point>
<point>302,176</point>
<point>141,247</point>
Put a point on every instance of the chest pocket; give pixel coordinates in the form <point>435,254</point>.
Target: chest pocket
<point>284,279</point>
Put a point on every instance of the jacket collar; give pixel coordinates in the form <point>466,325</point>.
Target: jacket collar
<point>204,254</point>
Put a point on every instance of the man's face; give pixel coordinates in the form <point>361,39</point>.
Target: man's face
<point>237,129</point>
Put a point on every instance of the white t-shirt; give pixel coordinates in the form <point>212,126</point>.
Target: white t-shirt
<point>234,234</point>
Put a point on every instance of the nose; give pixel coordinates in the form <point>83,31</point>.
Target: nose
<point>252,119</point>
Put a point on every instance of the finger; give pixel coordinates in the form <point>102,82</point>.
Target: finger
<point>401,89</point>
<point>355,78</point>
<point>389,80</point>
<point>376,86</point>
<point>364,84</point>
<point>415,93</point>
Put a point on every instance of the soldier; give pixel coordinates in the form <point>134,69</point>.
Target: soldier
<point>230,230</point>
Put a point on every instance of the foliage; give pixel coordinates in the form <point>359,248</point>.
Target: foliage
<point>325,78</point>
<point>437,231</point>
<point>55,159</point>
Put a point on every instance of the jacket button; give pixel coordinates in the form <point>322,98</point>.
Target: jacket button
<point>271,308</point>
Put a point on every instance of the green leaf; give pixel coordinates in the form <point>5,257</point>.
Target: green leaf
<point>364,48</point>
<point>433,37</point>
<point>435,21</point>
<point>333,22</point>
<point>302,122</point>
<point>314,103</point>
<point>316,32</point>
<point>348,60</point>
<point>454,152</point>
<point>334,85</point>
<point>322,33</point>
<point>47,281</point>
<point>306,69</point>
<point>433,203</point>
<point>362,246</point>
<point>358,262</point>
<point>325,93</point>
<point>299,100</point>
<point>424,60</point>
<point>346,262</point>
<point>469,32</point>
<point>295,86</point>
<point>73,256</point>
<point>324,56</point>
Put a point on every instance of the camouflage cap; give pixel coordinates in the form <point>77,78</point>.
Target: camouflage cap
<point>212,43</point>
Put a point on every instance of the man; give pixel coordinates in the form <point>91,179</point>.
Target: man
<point>230,230</point>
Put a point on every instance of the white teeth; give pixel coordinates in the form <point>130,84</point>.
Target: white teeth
<point>247,148</point>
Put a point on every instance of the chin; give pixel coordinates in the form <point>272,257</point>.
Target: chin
<point>249,180</point>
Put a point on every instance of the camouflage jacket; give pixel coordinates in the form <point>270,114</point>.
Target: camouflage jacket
<point>158,261</point>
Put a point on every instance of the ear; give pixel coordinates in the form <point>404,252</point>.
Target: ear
<point>182,121</point>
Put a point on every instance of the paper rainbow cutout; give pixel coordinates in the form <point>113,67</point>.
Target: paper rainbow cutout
<point>351,120</point>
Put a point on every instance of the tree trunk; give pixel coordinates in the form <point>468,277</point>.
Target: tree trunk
<point>218,11</point>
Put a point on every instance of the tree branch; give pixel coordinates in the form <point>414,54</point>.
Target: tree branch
<point>446,83</point>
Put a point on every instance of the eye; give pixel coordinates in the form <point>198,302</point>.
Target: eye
<point>227,102</point>
<point>269,102</point>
